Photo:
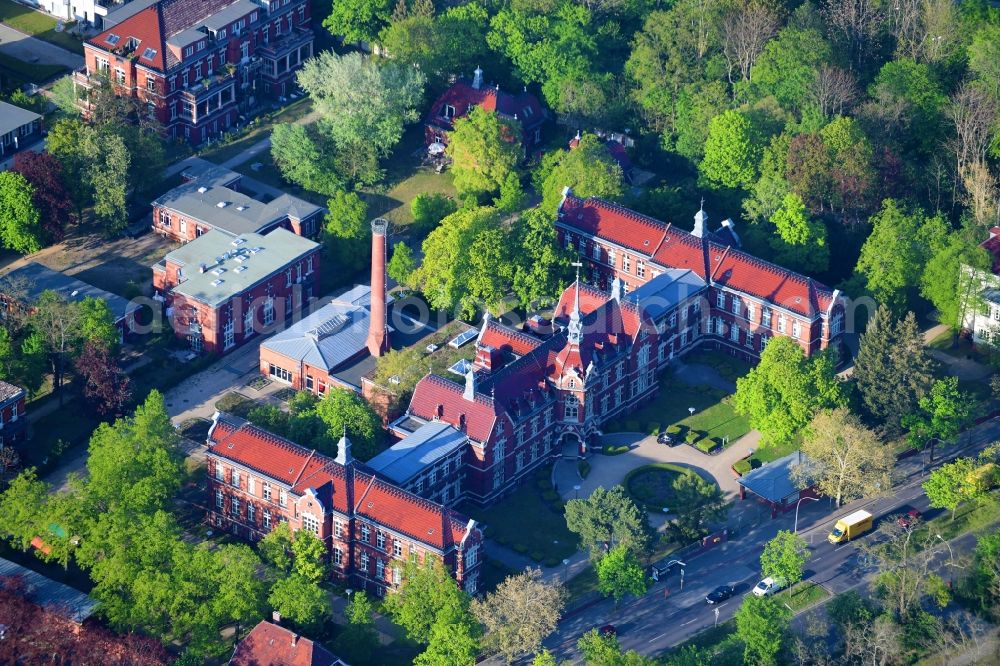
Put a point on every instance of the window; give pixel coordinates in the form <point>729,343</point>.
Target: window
<point>471,584</point>
<point>720,299</point>
<point>251,511</point>
<point>302,13</point>
<point>595,252</point>
<point>220,472</point>
<point>365,533</point>
<point>309,382</point>
<point>251,485</point>
<point>218,499</point>
<point>364,561</point>
<point>749,339</point>
<point>626,263</point>
<point>734,333</point>
<point>282,498</point>
<point>672,320</point>
<point>397,548</point>
<point>519,461</point>
<point>310,523</point>
<point>103,65</point>
<point>640,268</point>
<point>497,478</point>
<point>234,507</point>
<point>380,540</point>
<point>397,577</point>
<point>795,328</point>
<point>765,317</point>
<point>338,529</point>
<point>197,71</point>
<point>534,450</point>
<point>379,569</point>
<point>736,306</point>
<point>837,324</point>
<point>684,337</point>
<point>618,396</point>
<point>189,51</point>
<point>228,334</point>
<point>269,311</point>
<point>571,408</point>
<point>151,85</point>
<point>471,556</point>
<point>750,311</point>
<point>763,341</point>
<point>184,79</point>
<point>781,323</point>
<point>449,111</point>
<point>266,491</point>
<point>236,478</point>
<point>996,313</point>
<point>120,76</point>
<point>288,277</point>
<point>611,257</point>
<point>338,557</point>
<point>248,323</point>
<point>267,519</point>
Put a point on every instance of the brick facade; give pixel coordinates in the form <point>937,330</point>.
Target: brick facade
<point>370,527</point>
<point>198,64</point>
<point>13,420</point>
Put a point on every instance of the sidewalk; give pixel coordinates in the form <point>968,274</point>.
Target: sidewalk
<point>33,50</point>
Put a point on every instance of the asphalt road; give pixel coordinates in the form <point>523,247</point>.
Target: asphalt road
<point>668,615</point>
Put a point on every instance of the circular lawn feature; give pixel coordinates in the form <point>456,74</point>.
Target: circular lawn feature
<point>652,486</point>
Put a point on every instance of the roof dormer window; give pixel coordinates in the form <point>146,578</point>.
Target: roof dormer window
<point>112,39</point>
<point>449,111</point>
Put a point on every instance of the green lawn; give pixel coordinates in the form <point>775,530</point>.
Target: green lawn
<point>38,25</point>
<point>970,517</point>
<point>652,485</point>
<point>258,129</point>
<point>802,595</point>
<point>720,422</point>
<point>528,524</point>
<point>394,205</point>
<point>765,455</point>
<point>17,72</point>
<point>728,367</point>
<point>581,586</point>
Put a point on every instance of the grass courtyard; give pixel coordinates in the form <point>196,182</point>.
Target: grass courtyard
<point>651,486</point>
<point>37,24</point>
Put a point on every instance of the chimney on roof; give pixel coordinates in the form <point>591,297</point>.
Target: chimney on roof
<point>470,385</point>
<point>295,639</point>
<point>378,333</point>
<point>700,221</point>
<point>477,78</point>
<point>276,617</point>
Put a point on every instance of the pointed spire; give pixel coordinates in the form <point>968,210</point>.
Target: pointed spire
<point>470,385</point>
<point>344,456</point>
<point>700,220</point>
<point>575,325</point>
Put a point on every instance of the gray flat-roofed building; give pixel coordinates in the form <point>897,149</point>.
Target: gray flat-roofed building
<point>32,279</point>
<point>775,484</point>
<point>52,595</point>
<point>426,463</point>
<point>666,291</point>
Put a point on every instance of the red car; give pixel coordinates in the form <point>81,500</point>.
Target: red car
<point>908,519</point>
<point>608,630</point>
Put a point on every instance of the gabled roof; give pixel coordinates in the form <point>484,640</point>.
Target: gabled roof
<point>413,454</point>
<point>9,391</point>
<point>433,392</point>
<point>268,644</point>
<point>992,245</point>
<point>50,594</point>
<point>325,339</point>
<point>14,117</point>
<point>462,96</point>
<point>305,470</point>
<point>498,335</point>
<point>773,480</point>
<point>673,247</point>
<point>34,279</point>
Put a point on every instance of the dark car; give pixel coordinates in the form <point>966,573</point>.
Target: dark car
<point>720,594</point>
<point>666,438</point>
<point>608,630</point>
<point>909,519</point>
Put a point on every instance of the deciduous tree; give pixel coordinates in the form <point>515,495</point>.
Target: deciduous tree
<point>20,221</point>
<point>106,387</point>
<point>359,640</point>
<point>301,601</point>
<point>346,231</point>
<point>401,265</point>
<point>454,636</point>
<point>304,158</point>
<point>358,20</point>
<point>785,390</point>
<point>942,414</point>
<point>542,264</point>
<point>519,614</point>
<point>800,243</point>
<point>344,411</point>
<point>697,505</point>
<point>955,482</point>
<point>606,519</point>
<point>484,149</point>
<point>589,169</point>
<point>426,591</point>
<point>428,209</point>
<point>732,151</point>
<point>619,573</point>
<point>762,624</point>
<point>785,557</point>
<point>845,460</point>
<point>51,197</point>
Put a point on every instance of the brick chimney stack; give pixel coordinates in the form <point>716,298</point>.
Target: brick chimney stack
<point>378,337</point>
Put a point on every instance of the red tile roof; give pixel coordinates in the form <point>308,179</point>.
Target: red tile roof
<point>992,245</point>
<point>462,96</point>
<point>433,392</point>
<point>268,644</point>
<point>606,323</point>
<point>673,247</point>
<point>301,468</point>
<point>500,336</point>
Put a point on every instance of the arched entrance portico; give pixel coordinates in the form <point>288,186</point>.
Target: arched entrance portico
<point>572,445</point>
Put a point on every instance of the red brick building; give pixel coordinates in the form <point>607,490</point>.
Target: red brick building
<point>222,290</point>
<point>750,300</point>
<point>458,100</point>
<point>268,644</point>
<point>198,63</point>
<point>528,394</point>
<point>213,197</point>
<point>13,422</point>
<point>371,527</point>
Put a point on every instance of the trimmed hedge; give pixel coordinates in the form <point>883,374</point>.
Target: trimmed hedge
<point>708,445</point>
<point>615,450</point>
<point>583,467</point>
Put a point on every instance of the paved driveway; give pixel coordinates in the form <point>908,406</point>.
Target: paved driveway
<point>29,49</point>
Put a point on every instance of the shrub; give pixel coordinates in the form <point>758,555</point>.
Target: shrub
<point>550,496</point>
<point>583,467</point>
<point>653,428</point>
<point>675,430</point>
<point>707,445</point>
<point>692,436</point>
<point>615,450</point>
<point>520,548</point>
<point>551,561</point>
<point>741,467</point>
<point>536,555</point>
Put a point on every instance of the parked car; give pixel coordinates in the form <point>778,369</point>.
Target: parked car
<point>768,586</point>
<point>909,519</point>
<point>667,439</point>
<point>608,630</point>
<point>720,594</point>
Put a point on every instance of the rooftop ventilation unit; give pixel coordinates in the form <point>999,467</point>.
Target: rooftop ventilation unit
<point>216,283</point>
<point>239,269</point>
<point>241,208</point>
<point>238,241</point>
<point>222,204</point>
<point>219,271</point>
<point>202,189</point>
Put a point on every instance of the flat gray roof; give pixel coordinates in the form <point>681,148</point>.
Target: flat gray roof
<point>773,481</point>
<point>35,278</point>
<point>125,11</point>
<point>50,594</point>
<point>414,453</point>
<point>207,198</point>
<point>224,17</point>
<point>665,291</point>
<point>245,260</point>
<point>12,117</point>
<point>186,37</point>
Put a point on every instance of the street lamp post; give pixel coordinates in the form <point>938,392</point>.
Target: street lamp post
<point>691,411</point>
<point>576,491</point>
<point>682,578</point>
<point>565,570</point>
<point>795,530</point>
<point>951,553</point>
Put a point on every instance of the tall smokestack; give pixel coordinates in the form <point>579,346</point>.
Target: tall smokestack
<point>378,337</point>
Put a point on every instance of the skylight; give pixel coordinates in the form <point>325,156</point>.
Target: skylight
<point>149,54</point>
<point>112,39</point>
